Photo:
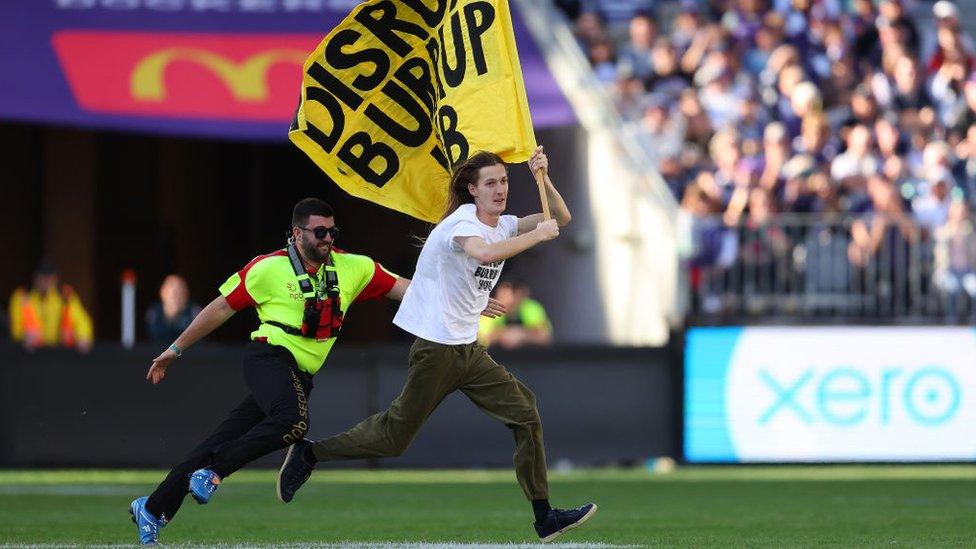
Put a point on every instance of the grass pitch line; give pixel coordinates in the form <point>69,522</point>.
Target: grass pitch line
<point>354,545</point>
<point>692,474</point>
<point>69,490</point>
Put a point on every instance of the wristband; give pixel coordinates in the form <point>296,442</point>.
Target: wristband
<point>177,350</point>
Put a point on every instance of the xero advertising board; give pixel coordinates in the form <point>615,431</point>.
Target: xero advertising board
<point>830,394</point>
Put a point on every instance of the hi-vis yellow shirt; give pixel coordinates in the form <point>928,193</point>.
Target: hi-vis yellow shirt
<point>399,92</point>
<point>268,283</point>
<point>49,319</point>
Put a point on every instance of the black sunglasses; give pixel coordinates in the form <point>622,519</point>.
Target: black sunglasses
<point>320,232</point>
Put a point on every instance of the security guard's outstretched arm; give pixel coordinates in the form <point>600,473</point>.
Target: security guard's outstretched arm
<point>209,319</point>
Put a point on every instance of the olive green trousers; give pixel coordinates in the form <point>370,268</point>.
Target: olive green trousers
<point>436,371</point>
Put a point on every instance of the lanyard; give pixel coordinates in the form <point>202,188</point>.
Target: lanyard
<point>309,290</point>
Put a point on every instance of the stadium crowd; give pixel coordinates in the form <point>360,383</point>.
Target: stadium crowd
<point>816,147</point>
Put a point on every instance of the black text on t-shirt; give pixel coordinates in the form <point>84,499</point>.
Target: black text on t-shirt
<point>487,273</point>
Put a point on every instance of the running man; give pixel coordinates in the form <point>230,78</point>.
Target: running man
<point>301,294</point>
<point>459,265</point>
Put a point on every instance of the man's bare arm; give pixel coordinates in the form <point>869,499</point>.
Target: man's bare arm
<point>210,318</point>
<point>476,247</point>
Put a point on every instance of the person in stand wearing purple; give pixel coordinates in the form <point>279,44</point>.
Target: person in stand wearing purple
<point>460,263</point>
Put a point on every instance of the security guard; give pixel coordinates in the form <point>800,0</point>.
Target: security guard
<point>301,294</point>
<point>50,314</point>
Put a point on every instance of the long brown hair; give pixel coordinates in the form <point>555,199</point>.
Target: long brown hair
<point>466,173</point>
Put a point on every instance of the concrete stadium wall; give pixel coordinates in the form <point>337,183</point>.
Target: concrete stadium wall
<point>58,409</point>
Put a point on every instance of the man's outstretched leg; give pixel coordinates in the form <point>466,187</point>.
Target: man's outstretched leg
<point>273,416</point>
<point>155,511</point>
<point>505,398</point>
<point>431,376</point>
<point>281,392</point>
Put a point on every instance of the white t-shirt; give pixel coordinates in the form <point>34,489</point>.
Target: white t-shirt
<point>450,288</point>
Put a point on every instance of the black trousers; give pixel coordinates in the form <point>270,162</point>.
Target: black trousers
<point>271,417</point>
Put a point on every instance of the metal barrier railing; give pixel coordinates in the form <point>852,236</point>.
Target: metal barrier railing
<point>794,267</point>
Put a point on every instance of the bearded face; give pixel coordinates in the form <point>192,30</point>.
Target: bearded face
<point>314,249</point>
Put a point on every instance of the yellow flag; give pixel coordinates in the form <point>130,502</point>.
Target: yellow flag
<point>402,90</point>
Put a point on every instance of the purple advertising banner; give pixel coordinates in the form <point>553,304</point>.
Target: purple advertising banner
<point>211,68</point>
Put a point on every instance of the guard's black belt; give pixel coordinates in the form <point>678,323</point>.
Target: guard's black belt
<point>288,329</point>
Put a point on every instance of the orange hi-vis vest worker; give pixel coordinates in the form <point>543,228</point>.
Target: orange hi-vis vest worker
<point>50,319</point>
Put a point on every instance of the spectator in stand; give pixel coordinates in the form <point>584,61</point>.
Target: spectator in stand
<point>660,133</point>
<point>635,55</point>
<point>841,79</point>
<point>864,107</point>
<point>799,192</point>
<point>717,93</point>
<point>725,152</point>
<point>50,314</point>
<point>743,22</point>
<point>666,77</point>
<point>174,311</point>
<point>880,249</point>
<point>776,151</point>
<point>830,108</point>
<point>902,90</point>
<point>589,30</point>
<point>628,96</point>
<point>888,138</point>
<point>688,23</point>
<point>752,118</point>
<point>618,13</point>
<point>936,159</point>
<point>894,11</point>
<point>705,245</point>
<point>603,59</point>
<point>865,31</point>
<point>767,38</point>
<point>852,167</point>
<point>895,170</point>
<point>946,14</point>
<point>525,323</point>
<point>946,90</point>
<point>955,258</point>
<point>966,152</point>
<point>764,243</point>
<point>805,101</point>
<point>815,140</point>
<point>952,45</point>
<point>705,40</point>
<point>698,129</point>
<point>931,208</point>
<point>966,114</point>
<point>827,271</point>
<point>883,232</point>
<point>788,80</point>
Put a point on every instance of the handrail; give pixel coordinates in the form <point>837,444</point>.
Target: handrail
<point>808,267</point>
<point>590,100</point>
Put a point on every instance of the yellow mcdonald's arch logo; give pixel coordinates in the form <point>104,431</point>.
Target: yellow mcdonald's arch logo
<point>246,80</point>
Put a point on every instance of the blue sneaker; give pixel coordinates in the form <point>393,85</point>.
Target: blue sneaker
<point>203,483</point>
<point>148,525</point>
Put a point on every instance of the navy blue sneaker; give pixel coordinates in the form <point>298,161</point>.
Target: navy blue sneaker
<point>562,520</point>
<point>294,471</point>
<point>148,525</point>
<point>203,483</point>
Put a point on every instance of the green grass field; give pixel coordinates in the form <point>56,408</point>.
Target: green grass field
<point>839,506</point>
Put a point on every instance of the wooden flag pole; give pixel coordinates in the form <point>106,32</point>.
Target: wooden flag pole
<point>540,179</point>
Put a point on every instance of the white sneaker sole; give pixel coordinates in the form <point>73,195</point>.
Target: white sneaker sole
<point>278,483</point>
<point>558,533</point>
